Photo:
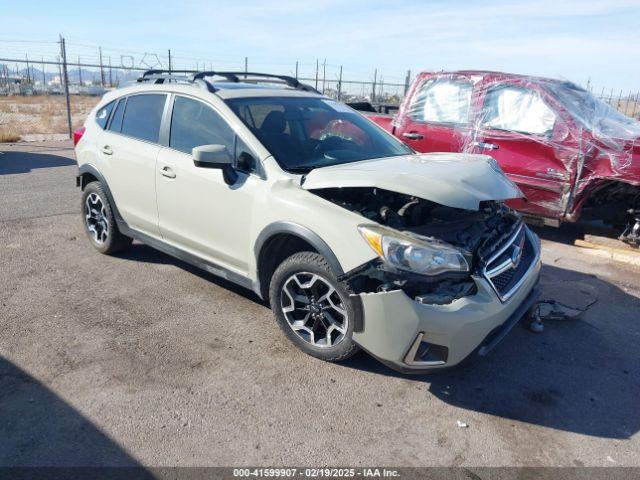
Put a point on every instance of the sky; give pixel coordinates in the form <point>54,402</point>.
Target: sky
<point>596,41</point>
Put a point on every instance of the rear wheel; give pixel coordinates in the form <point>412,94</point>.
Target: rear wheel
<point>312,308</point>
<point>99,221</point>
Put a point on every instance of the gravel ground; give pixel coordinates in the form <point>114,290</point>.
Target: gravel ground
<point>141,359</point>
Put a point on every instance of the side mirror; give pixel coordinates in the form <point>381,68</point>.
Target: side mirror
<point>211,156</point>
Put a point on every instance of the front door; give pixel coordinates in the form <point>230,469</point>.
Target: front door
<point>199,211</point>
<point>516,127</point>
<point>437,115</point>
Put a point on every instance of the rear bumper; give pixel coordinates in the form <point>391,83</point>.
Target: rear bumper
<point>396,326</point>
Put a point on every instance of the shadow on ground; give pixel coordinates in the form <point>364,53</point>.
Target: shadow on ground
<point>13,162</point>
<point>580,376</point>
<point>38,428</point>
<point>139,252</point>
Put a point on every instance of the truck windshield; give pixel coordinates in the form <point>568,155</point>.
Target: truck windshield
<point>303,133</point>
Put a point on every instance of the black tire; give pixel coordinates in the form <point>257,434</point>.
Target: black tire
<point>114,241</point>
<point>313,263</point>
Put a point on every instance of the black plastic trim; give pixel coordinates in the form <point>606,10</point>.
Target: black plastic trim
<point>189,258</point>
<point>304,233</point>
<point>87,168</point>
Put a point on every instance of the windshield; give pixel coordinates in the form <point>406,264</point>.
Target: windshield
<point>303,133</point>
<point>594,114</point>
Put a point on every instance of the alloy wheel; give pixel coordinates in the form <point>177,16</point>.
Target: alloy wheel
<point>96,218</point>
<point>314,309</point>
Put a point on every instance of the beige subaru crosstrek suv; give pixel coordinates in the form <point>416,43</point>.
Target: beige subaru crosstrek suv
<point>354,240</point>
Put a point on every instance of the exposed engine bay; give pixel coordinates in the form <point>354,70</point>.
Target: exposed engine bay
<point>476,233</point>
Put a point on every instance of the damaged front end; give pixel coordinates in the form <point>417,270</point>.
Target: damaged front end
<point>428,250</point>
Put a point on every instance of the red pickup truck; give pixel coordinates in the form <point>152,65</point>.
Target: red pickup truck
<point>572,155</point>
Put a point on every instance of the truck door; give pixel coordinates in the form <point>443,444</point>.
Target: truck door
<point>516,126</point>
<point>436,118</point>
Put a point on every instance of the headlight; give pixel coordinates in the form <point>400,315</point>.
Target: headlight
<point>408,252</point>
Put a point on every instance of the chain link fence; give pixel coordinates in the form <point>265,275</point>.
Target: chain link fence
<point>52,92</point>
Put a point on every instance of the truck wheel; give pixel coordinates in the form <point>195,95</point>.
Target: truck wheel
<point>99,222</point>
<point>313,310</point>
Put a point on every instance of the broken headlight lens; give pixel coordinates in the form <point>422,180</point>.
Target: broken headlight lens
<point>414,254</point>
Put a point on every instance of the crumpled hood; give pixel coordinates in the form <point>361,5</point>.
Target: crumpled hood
<point>458,180</point>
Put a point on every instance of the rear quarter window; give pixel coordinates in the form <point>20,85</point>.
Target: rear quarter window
<point>116,121</point>
<point>102,116</point>
<point>143,115</point>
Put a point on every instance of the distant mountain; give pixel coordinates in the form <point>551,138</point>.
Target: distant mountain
<point>88,75</point>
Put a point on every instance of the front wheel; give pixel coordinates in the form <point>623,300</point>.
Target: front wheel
<point>312,308</point>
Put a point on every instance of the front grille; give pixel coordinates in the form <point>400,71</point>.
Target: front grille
<point>509,265</point>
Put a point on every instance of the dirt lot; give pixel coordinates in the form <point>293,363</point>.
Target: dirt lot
<point>41,116</point>
<point>140,359</point>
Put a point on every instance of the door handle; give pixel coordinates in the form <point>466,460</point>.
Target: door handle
<point>167,172</point>
<point>413,135</point>
<point>486,146</point>
<point>107,150</point>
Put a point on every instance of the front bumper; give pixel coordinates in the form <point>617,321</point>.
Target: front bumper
<point>395,325</point>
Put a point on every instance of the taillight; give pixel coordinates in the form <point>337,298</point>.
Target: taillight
<point>77,135</point>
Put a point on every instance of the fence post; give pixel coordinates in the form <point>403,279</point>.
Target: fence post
<point>44,78</point>
<point>373,86</point>
<point>317,66</point>
<point>63,52</point>
<point>101,69</point>
<point>407,80</point>
<point>340,84</point>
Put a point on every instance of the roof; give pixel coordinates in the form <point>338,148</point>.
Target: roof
<point>496,75</point>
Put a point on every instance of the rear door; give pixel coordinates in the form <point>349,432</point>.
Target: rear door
<point>436,118</point>
<point>516,126</point>
<point>129,147</point>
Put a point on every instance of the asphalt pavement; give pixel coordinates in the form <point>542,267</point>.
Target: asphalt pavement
<point>140,359</point>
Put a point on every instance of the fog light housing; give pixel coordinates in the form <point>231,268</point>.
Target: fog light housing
<point>425,354</point>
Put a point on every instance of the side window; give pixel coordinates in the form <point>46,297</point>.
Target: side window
<point>115,124</point>
<point>518,110</point>
<point>103,114</point>
<point>193,124</point>
<point>143,116</point>
<point>442,100</point>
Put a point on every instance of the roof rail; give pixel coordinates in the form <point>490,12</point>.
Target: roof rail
<point>195,76</point>
<point>257,77</point>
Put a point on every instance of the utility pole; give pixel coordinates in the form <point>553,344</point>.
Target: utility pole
<point>340,84</point>
<point>79,71</point>
<point>296,69</point>
<point>110,73</point>
<point>169,61</point>
<point>101,68</point>
<point>63,52</point>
